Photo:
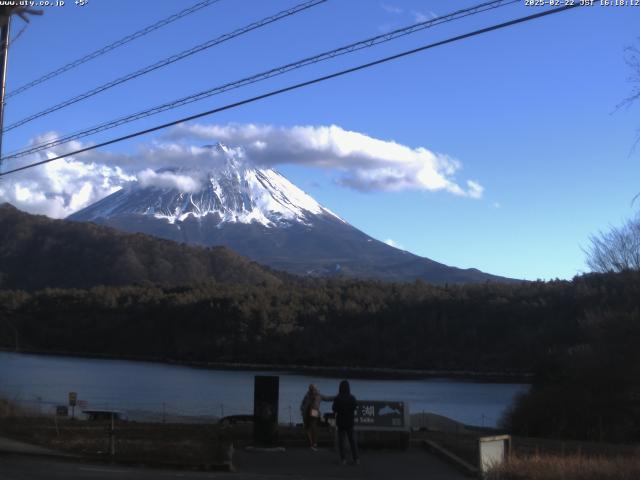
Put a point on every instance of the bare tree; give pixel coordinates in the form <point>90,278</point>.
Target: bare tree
<point>616,250</point>
<point>632,59</point>
<point>619,248</point>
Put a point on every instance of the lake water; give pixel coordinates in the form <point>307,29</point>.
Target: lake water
<point>155,390</point>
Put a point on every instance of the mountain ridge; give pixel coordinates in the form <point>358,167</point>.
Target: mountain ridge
<point>260,214</point>
<point>38,252</point>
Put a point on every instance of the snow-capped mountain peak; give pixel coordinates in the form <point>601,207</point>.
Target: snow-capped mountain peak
<point>229,189</point>
<point>219,147</point>
<point>226,200</point>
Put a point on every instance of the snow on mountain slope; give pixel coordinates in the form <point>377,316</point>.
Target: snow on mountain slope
<point>232,190</point>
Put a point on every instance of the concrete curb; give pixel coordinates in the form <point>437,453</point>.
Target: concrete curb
<point>265,449</point>
<point>451,458</point>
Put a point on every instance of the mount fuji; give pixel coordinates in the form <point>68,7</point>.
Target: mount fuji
<point>260,214</point>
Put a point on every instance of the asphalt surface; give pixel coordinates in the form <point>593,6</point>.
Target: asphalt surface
<point>414,463</point>
<point>22,467</point>
<point>292,464</point>
<point>9,445</point>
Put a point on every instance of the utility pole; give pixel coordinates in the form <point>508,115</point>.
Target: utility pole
<point>4,57</point>
<point>5,26</point>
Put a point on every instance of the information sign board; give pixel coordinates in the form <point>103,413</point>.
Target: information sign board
<point>381,415</point>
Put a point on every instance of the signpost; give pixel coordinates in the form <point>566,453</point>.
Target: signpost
<point>73,400</point>
<point>493,451</point>
<point>382,415</point>
<point>382,423</point>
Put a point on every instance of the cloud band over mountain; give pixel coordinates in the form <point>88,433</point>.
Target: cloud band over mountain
<point>365,163</point>
<point>359,161</point>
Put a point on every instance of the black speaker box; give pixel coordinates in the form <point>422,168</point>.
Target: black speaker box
<point>265,409</point>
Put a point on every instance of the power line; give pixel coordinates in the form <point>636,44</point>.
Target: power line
<point>299,85</point>
<point>112,46</point>
<point>18,35</point>
<point>370,42</point>
<point>169,60</point>
<point>367,43</point>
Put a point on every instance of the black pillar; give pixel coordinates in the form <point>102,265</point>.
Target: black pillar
<point>265,409</point>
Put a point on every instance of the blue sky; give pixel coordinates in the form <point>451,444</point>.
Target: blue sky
<point>528,112</point>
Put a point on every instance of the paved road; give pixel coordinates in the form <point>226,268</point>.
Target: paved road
<point>14,446</point>
<point>294,464</point>
<point>22,467</point>
<point>299,463</point>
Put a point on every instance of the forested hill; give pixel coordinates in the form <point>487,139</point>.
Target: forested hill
<point>489,327</point>
<point>37,252</point>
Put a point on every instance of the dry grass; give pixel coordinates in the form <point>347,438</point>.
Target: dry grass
<point>568,467</point>
<point>191,445</point>
<point>9,409</point>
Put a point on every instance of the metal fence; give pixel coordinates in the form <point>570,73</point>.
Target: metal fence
<point>149,412</point>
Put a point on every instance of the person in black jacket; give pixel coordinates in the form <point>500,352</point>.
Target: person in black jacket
<point>344,407</point>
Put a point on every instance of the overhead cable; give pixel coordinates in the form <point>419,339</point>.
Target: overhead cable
<point>112,46</point>
<point>367,43</point>
<point>168,61</point>
<point>298,86</point>
<point>18,35</point>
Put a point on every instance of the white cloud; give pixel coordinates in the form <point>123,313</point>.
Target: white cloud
<point>64,186</point>
<point>475,189</point>
<point>181,182</point>
<point>393,243</point>
<point>356,160</point>
<point>391,8</point>
<point>420,17</point>
<point>365,163</point>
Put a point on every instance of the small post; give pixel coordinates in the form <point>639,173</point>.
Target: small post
<point>73,400</point>
<point>290,417</point>
<point>164,412</point>
<point>55,421</point>
<point>112,437</point>
<point>221,411</point>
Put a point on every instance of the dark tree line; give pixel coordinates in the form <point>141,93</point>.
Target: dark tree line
<point>316,322</point>
<point>580,337</point>
<point>324,322</point>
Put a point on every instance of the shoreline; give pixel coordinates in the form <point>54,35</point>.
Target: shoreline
<point>378,373</point>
